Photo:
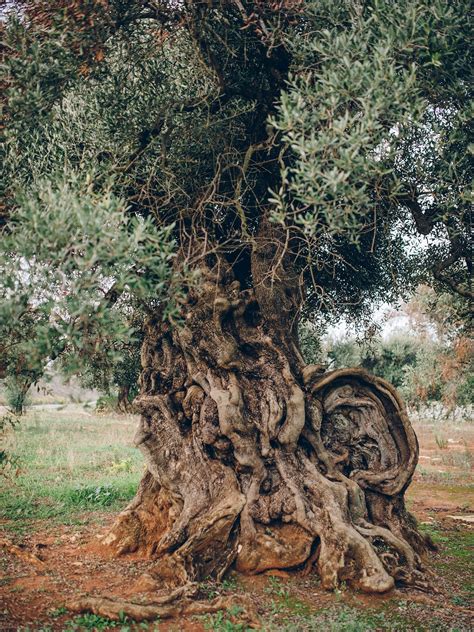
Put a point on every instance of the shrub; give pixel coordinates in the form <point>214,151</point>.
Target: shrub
<point>16,394</point>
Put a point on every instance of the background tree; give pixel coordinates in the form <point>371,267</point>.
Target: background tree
<point>224,168</point>
<point>116,374</point>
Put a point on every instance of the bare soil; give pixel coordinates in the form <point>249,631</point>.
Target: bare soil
<point>75,563</point>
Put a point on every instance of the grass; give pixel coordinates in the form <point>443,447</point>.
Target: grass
<point>225,621</point>
<point>441,442</point>
<point>346,619</point>
<point>67,462</point>
<point>456,559</point>
<point>458,544</point>
<point>71,466</point>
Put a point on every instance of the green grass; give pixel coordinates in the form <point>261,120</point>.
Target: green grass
<point>347,619</point>
<point>459,544</point>
<point>67,462</point>
<point>456,560</point>
<point>224,621</point>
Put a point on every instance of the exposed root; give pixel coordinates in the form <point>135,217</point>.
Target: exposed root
<point>23,554</point>
<point>179,603</point>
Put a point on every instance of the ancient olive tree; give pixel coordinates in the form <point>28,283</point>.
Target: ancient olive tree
<point>226,169</point>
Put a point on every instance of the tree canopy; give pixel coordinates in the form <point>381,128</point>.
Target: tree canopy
<point>144,138</point>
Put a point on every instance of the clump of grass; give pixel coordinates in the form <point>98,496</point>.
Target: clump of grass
<point>225,621</point>
<point>8,423</point>
<point>441,442</point>
<point>121,465</point>
<point>463,460</point>
<point>89,621</point>
<point>59,611</point>
<point>90,495</point>
<point>343,619</point>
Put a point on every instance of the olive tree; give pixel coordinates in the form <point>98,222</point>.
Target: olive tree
<point>227,169</point>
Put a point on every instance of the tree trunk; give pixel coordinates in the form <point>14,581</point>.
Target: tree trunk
<point>258,461</point>
<point>123,402</point>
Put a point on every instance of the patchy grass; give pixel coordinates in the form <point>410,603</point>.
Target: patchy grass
<point>68,462</point>
<point>74,469</point>
<point>344,619</point>
<point>226,621</point>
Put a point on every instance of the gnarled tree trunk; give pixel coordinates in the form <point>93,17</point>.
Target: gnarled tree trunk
<point>255,459</point>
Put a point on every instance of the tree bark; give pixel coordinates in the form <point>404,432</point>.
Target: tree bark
<point>123,402</point>
<point>258,461</point>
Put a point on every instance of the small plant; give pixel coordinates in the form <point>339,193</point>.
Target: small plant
<point>441,442</point>
<point>58,612</point>
<point>7,461</point>
<point>274,587</point>
<point>212,589</point>
<point>106,404</point>
<point>123,465</point>
<point>222,621</point>
<point>102,495</point>
<point>89,621</point>
<point>229,583</point>
<point>459,600</point>
<point>16,394</point>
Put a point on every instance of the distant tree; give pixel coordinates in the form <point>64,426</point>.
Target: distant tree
<point>16,393</point>
<point>225,168</point>
<point>118,372</point>
<point>433,362</point>
<point>444,365</point>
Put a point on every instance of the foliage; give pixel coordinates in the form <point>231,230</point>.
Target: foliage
<point>116,372</point>
<point>439,315</point>
<point>375,117</point>
<point>90,621</point>
<point>8,422</point>
<point>434,362</point>
<point>226,621</point>
<point>16,394</point>
<point>143,140</point>
<point>423,369</point>
<point>106,403</point>
<point>310,342</point>
<point>102,495</point>
<point>391,358</point>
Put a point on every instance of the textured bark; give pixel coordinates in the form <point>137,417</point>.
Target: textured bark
<point>258,461</point>
<point>123,402</point>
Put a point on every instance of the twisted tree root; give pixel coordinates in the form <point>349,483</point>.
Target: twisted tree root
<point>26,556</point>
<point>178,603</point>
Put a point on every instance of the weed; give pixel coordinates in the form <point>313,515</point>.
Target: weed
<point>83,496</point>
<point>229,583</point>
<point>275,587</point>
<point>342,619</point>
<point>284,601</point>
<point>460,600</point>
<point>441,442</point>
<point>463,460</point>
<point>222,621</point>
<point>123,465</point>
<point>7,462</point>
<point>97,623</point>
<point>212,589</point>
<point>58,612</point>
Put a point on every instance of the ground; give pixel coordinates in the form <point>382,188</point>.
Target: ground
<point>75,469</point>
